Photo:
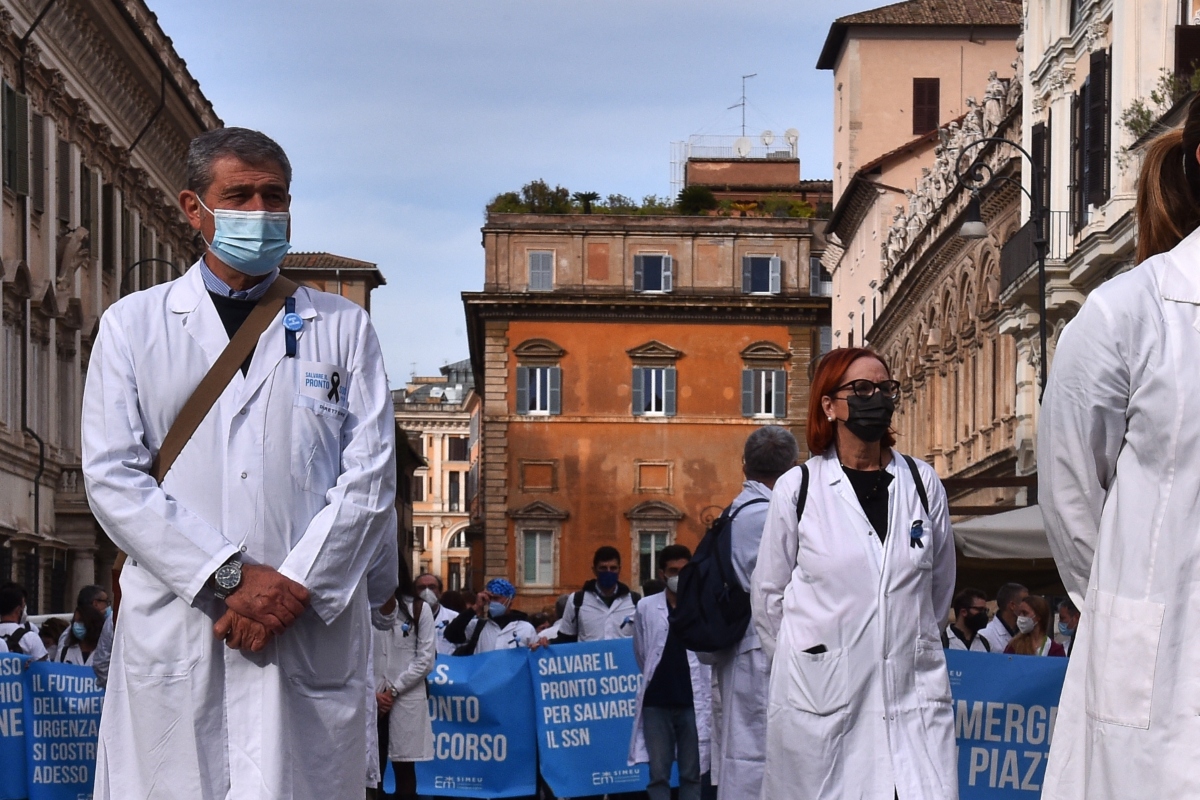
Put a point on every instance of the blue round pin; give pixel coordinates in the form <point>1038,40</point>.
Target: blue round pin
<point>293,322</point>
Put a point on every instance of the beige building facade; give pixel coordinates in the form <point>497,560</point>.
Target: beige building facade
<point>903,70</point>
<point>97,112</point>
<point>438,416</point>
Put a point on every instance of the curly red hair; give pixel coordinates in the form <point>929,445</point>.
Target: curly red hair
<point>830,371</point>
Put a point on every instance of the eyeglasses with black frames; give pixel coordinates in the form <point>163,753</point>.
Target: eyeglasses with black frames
<point>864,388</point>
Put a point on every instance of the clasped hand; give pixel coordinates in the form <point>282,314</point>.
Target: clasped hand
<point>263,606</point>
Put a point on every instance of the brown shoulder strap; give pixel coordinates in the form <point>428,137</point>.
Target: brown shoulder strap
<point>219,375</point>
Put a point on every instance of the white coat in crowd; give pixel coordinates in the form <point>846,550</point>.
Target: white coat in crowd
<point>515,633</point>
<point>742,673</point>
<point>382,579</point>
<point>442,617</point>
<point>978,645</point>
<point>1120,493</point>
<point>31,643</point>
<point>102,658</point>
<point>649,641</point>
<point>295,481</point>
<point>595,620</point>
<point>871,715</point>
<point>997,634</point>
<point>404,655</point>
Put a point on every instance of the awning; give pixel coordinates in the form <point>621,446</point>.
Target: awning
<point>1016,534</point>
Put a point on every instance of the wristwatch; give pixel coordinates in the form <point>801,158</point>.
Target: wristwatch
<point>227,578</point>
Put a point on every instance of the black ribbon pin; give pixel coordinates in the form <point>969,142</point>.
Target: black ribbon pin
<point>335,381</point>
<point>915,533</point>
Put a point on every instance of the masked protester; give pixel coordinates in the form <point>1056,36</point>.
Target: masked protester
<point>604,608</point>
<point>429,588</point>
<point>240,661</point>
<point>491,624</point>
<point>1033,625</point>
<point>853,579</point>
<point>1068,624</point>
<point>970,617</point>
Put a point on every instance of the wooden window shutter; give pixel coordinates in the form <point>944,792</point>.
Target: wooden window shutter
<point>1037,138</point>
<point>669,391</point>
<point>668,273</point>
<point>1187,51</point>
<point>926,102</point>
<point>37,174</point>
<point>747,275</point>
<point>555,390</point>
<point>21,131</point>
<point>639,402</point>
<point>1078,208</point>
<point>747,393</point>
<point>776,274</point>
<point>1098,125</point>
<point>779,406</point>
<point>638,272</point>
<point>63,181</point>
<point>522,390</point>
<point>107,229</point>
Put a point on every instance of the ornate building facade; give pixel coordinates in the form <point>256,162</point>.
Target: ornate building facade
<point>97,112</point>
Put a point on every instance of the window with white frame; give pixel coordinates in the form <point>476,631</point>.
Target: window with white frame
<point>541,270</point>
<point>764,393</point>
<point>653,272</point>
<point>654,391</point>
<point>539,390</point>
<point>650,544</point>
<point>538,557</point>
<point>761,274</point>
<point>458,541</point>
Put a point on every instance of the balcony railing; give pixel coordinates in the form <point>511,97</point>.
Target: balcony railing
<point>1019,253</point>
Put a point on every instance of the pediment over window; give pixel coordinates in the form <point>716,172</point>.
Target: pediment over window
<point>20,284</point>
<point>765,353</point>
<point>538,510</point>
<point>654,352</point>
<point>73,317</point>
<point>654,509</point>
<point>48,305</point>
<point>539,350</point>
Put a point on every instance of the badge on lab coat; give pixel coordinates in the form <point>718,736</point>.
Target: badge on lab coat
<point>327,384</point>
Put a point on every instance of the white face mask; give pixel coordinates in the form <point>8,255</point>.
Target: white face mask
<point>1026,624</point>
<point>673,584</point>
<point>428,596</point>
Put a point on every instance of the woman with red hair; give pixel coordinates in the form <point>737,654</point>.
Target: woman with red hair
<point>855,572</point>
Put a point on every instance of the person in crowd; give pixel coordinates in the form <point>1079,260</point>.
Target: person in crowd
<point>653,586</point>
<point>604,608</point>
<point>742,673</point>
<point>456,602</point>
<point>542,621</point>
<point>1003,627</point>
<point>492,624</point>
<point>103,655</point>
<point>404,655</point>
<point>83,636</point>
<point>970,617</point>
<point>52,633</point>
<point>672,721</point>
<point>244,627</point>
<point>429,588</point>
<point>1033,624</point>
<point>19,635</point>
<point>853,580</point>
<point>1068,624</point>
<point>92,595</point>
<point>382,579</point>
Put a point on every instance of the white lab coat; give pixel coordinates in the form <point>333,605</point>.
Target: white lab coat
<point>302,484</point>
<point>979,644</point>
<point>595,620</point>
<point>871,715</point>
<point>382,580</point>
<point>402,660</point>
<point>515,633</point>
<point>1120,494</point>
<point>742,673</point>
<point>997,634</point>
<point>443,617</point>
<point>652,625</point>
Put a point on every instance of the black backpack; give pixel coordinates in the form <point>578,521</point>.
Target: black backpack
<point>13,640</point>
<point>712,610</point>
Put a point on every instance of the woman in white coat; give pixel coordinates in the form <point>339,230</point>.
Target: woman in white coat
<point>1120,494</point>
<point>848,600</point>
<point>404,655</point>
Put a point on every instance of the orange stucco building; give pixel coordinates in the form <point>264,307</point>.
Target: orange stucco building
<point>622,361</point>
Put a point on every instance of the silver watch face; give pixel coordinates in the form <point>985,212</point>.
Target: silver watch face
<point>229,575</point>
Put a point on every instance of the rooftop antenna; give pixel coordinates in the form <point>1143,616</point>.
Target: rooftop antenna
<point>742,104</point>
<point>414,368</point>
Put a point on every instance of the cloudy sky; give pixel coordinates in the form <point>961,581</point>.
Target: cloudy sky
<point>403,118</point>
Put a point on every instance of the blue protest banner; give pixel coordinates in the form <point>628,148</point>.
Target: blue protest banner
<point>1004,711</point>
<point>586,697</point>
<point>12,727</point>
<point>62,713</point>
<point>483,728</point>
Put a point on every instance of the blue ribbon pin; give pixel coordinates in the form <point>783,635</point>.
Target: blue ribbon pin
<point>292,323</point>
<point>915,533</point>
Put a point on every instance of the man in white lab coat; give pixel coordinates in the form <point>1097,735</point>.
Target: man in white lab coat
<point>743,672</point>
<point>239,669</point>
<point>429,589</point>
<point>1003,627</point>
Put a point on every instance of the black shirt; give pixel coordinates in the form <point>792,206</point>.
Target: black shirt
<point>871,487</point>
<point>233,314</point>
<point>671,684</point>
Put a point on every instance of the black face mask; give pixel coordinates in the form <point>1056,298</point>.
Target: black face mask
<point>870,417</point>
<point>977,621</point>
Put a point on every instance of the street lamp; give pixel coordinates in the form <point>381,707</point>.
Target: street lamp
<point>977,176</point>
<point>141,261</point>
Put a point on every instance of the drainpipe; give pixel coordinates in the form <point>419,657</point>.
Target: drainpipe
<point>25,39</point>
<point>41,467</point>
<point>162,102</point>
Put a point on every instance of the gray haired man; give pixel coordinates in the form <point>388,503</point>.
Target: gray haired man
<point>739,739</point>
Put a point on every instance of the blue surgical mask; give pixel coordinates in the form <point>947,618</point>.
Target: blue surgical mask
<point>78,630</point>
<point>606,579</point>
<point>497,609</point>
<point>108,612</point>
<point>252,242</point>
<point>1065,629</point>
